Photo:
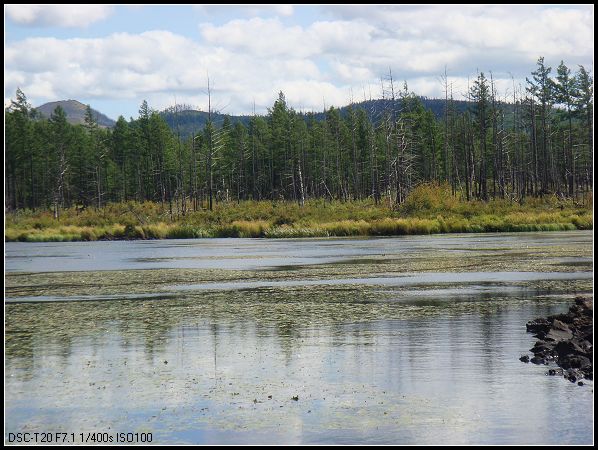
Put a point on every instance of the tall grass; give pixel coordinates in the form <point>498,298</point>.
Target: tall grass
<point>430,208</point>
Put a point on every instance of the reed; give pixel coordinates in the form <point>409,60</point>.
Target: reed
<point>430,208</point>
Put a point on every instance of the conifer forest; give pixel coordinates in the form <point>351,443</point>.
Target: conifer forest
<point>531,141</point>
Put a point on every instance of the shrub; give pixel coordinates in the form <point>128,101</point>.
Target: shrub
<point>243,229</point>
<point>291,232</point>
<point>429,197</point>
<point>88,234</point>
<point>584,222</point>
<point>186,232</point>
<point>133,232</point>
<point>347,228</point>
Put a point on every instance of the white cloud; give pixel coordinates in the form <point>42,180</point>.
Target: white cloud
<point>261,37</point>
<point>249,10</point>
<point>270,37</point>
<point>553,31</point>
<point>71,16</point>
<point>154,65</point>
<point>352,48</point>
<point>284,10</point>
<point>350,73</point>
<point>313,94</point>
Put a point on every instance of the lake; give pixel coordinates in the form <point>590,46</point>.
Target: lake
<point>402,340</point>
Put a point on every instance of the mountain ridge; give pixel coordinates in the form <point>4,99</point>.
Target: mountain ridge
<point>75,112</point>
<point>191,121</point>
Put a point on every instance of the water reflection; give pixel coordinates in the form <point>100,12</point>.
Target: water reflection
<point>398,340</point>
<point>265,254</point>
<point>222,367</point>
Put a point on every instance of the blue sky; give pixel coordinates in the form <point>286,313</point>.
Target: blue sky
<point>113,57</point>
<point>183,19</point>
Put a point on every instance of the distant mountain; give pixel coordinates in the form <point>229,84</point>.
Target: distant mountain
<point>190,121</point>
<point>75,112</point>
<point>375,109</point>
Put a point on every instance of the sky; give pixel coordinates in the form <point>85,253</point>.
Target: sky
<point>114,57</point>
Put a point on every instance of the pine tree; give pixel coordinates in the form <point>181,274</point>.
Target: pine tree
<point>584,109</point>
<point>540,87</point>
<point>564,93</point>
<point>59,163</point>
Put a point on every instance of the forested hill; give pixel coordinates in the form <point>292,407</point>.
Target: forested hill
<point>376,108</point>
<point>75,112</point>
<point>188,121</point>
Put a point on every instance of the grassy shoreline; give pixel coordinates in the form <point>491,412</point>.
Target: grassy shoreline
<point>430,209</point>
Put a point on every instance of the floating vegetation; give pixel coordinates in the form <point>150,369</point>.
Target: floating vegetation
<point>299,359</point>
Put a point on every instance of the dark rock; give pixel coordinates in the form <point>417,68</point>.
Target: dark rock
<point>562,317</point>
<point>541,348</point>
<point>585,345</point>
<point>538,325</point>
<point>588,335</point>
<point>586,305</point>
<point>524,359</point>
<point>566,339</point>
<point>558,335</point>
<point>572,378</point>
<point>565,348</point>
<point>559,325</point>
<point>575,362</point>
<point>580,383</point>
<point>296,397</point>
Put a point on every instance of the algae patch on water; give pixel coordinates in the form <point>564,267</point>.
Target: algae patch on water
<point>512,258</point>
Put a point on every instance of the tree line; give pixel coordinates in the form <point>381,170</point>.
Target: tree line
<point>537,140</point>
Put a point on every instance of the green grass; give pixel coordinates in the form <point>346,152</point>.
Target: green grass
<point>430,208</point>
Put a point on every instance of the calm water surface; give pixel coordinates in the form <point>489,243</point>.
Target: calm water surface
<point>429,359</point>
